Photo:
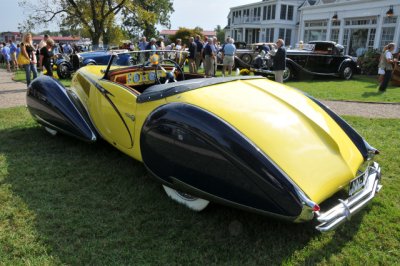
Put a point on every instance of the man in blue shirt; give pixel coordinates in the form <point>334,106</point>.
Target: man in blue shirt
<point>199,46</point>
<point>67,48</point>
<point>209,58</point>
<point>13,53</point>
<point>142,46</point>
<point>6,55</point>
<point>228,56</point>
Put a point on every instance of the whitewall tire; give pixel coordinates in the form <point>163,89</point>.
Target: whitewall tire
<point>51,131</point>
<point>193,203</point>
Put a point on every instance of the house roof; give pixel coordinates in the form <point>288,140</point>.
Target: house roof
<point>58,38</point>
<point>11,32</point>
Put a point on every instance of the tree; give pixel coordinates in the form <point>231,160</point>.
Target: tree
<point>185,33</point>
<point>146,15</point>
<point>97,17</point>
<point>220,33</point>
<point>89,14</point>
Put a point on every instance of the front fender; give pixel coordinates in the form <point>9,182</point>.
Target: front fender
<point>52,106</point>
<point>347,61</point>
<point>89,61</point>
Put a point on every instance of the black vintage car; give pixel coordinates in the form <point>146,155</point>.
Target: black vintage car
<point>245,54</point>
<point>322,58</point>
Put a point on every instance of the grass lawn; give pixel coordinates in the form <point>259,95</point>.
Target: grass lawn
<point>20,76</point>
<point>359,88</point>
<point>67,202</point>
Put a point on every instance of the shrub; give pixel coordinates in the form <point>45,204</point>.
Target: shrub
<point>369,62</point>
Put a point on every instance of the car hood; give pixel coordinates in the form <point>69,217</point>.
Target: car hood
<point>93,54</point>
<point>287,126</point>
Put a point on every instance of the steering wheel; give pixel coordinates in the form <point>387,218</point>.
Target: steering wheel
<point>169,76</point>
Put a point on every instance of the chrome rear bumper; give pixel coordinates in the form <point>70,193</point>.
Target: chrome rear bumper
<point>340,213</point>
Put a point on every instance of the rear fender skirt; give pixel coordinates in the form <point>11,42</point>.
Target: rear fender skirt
<point>50,104</point>
<point>190,149</point>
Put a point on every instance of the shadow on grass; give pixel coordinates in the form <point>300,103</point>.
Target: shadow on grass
<point>95,205</point>
<point>371,94</point>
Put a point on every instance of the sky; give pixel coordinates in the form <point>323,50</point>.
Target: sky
<point>188,13</point>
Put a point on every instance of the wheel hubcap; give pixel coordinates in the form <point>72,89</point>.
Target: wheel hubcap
<point>347,72</point>
<point>286,73</point>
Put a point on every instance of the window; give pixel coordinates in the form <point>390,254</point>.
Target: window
<point>273,11</point>
<point>287,12</point>
<point>269,13</point>
<point>269,35</point>
<point>256,14</point>
<point>290,13</point>
<point>283,11</point>
<point>335,35</point>
<point>264,13</point>
<point>371,38</point>
<point>364,21</point>
<point>281,34</point>
<point>286,35</point>
<point>315,35</point>
<point>346,39</point>
<point>387,36</point>
<point>389,20</point>
<point>315,24</point>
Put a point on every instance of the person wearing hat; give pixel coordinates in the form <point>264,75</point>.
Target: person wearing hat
<point>151,46</point>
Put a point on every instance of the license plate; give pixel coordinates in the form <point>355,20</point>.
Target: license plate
<point>356,184</point>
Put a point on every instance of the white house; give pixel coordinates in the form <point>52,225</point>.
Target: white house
<point>357,24</point>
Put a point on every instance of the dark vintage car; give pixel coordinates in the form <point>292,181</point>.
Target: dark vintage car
<point>68,64</point>
<point>246,141</point>
<point>245,54</point>
<point>321,58</point>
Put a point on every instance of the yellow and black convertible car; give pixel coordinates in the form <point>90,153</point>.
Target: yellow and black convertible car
<point>246,142</point>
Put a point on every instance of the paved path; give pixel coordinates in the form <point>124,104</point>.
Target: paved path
<point>377,110</point>
<point>13,94</point>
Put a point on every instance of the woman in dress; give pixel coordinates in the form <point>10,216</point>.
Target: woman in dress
<point>29,52</point>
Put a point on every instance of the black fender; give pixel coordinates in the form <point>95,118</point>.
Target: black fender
<point>347,62</point>
<point>193,150</point>
<point>89,61</point>
<point>52,106</point>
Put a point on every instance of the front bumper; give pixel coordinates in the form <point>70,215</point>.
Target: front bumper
<point>335,216</point>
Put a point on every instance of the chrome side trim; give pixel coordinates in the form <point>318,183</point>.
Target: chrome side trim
<point>347,208</point>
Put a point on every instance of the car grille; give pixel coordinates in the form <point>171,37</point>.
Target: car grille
<point>75,61</point>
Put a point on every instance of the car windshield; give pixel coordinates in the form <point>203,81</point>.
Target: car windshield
<point>147,57</point>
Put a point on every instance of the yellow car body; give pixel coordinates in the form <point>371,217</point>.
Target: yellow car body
<point>281,149</point>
